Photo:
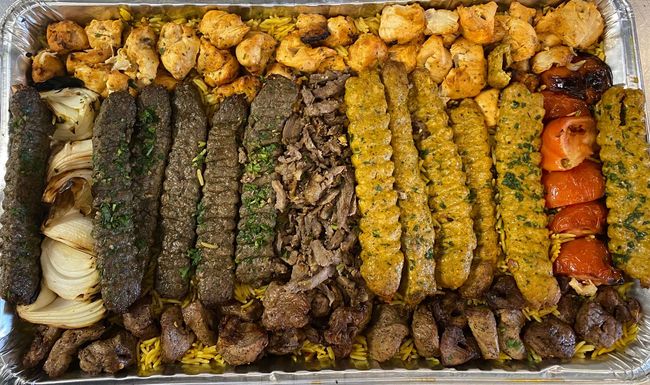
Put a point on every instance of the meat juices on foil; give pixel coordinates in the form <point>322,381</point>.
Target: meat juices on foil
<point>218,208</point>
<point>114,226</point>
<point>20,239</point>
<point>181,192</point>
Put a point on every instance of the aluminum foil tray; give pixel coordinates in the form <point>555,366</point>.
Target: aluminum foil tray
<point>22,28</point>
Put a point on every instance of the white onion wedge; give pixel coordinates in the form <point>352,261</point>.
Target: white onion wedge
<point>70,273</point>
<point>73,156</point>
<point>73,228</point>
<point>61,312</point>
<point>75,110</point>
<point>63,182</point>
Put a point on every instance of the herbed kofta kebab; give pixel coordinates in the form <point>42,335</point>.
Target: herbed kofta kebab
<point>441,184</point>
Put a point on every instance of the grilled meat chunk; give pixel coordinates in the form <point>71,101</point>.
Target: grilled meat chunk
<point>521,200</point>
<point>176,338</point>
<point>139,320</point>
<point>65,348</point>
<point>448,192</point>
<point>200,321</point>
<point>218,208</point>
<point>382,259</point>
<point>387,331</point>
<point>152,139</point>
<point>345,323</point>
<point>456,347</point>
<point>181,192</point>
<point>30,128</point>
<point>256,259</point>
<point>625,310</point>
<point>449,310</point>
<point>284,309</point>
<point>418,235</point>
<point>504,294</point>
<point>550,338</point>
<point>283,342</point>
<point>425,332</point>
<point>568,308</point>
<point>596,326</point>
<point>484,328</point>
<point>510,324</point>
<point>621,124</point>
<point>240,342</point>
<point>110,355</point>
<point>41,345</point>
<point>114,225</point>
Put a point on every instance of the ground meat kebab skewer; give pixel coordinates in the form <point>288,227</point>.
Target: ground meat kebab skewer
<point>114,227</point>
<point>181,192</point>
<point>218,214</point>
<point>149,149</point>
<point>30,129</point>
<point>255,255</point>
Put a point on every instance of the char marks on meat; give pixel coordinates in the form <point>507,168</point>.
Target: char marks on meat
<point>181,192</point>
<point>596,326</point>
<point>551,338</point>
<point>152,139</point>
<point>457,347</point>
<point>201,321</point>
<point>504,294</point>
<point>30,128</point>
<point>240,342</point>
<point>345,323</point>
<point>449,310</point>
<point>483,325</point>
<point>114,225</point>
<point>387,331</point>
<point>284,309</point>
<point>255,256</point>
<point>425,331</point>
<point>218,209</point>
<point>139,320</point>
<point>110,355</point>
<point>176,338</point>
<point>510,324</point>
<point>42,343</point>
<point>66,347</point>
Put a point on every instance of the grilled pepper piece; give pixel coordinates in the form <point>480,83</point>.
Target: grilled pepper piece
<point>626,165</point>
<point>473,141</point>
<point>521,201</point>
<point>448,193</point>
<point>381,257</point>
<point>418,235</point>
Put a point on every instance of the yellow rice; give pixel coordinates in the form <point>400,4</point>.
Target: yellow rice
<point>368,24</point>
<point>149,355</point>
<point>582,349</point>
<point>199,354</point>
<point>537,315</point>
<point>630,331</point>
<point>556,243</point>
<point>407,351</point>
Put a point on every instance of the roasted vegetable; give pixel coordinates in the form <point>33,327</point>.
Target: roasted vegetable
<point>370,137</point>
<point>473,141</point>
<point>48,309</point>
<point>30,128</point>
<point>448,194</point>
<point>626,164</point>
<point>568,141</point>
<point>558,104</point>
<point>580,219</point>
<point>587,259</point>
<point>70,273</point>
<point>521,201</point>
<point>583,183</point>
<point>75,110</point>
<point>417,226</point>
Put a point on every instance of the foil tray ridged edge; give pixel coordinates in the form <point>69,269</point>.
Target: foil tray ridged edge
<point>20,27</point>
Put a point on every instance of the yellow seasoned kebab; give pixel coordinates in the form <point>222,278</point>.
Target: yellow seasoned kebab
<point>381,257</point>
<point>448,193</point>
<point>418,235</point>
<point>473,141</point>
<point>521,200</point>
<point>626,166</point>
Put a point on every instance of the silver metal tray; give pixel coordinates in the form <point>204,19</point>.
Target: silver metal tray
<point>20,30</point>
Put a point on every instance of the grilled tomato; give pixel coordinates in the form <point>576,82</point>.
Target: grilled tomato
<point>568,141</point>
<point>558,104</point>
<point>587,259</point>
<point>584,183</point>
<point>581,219</point>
